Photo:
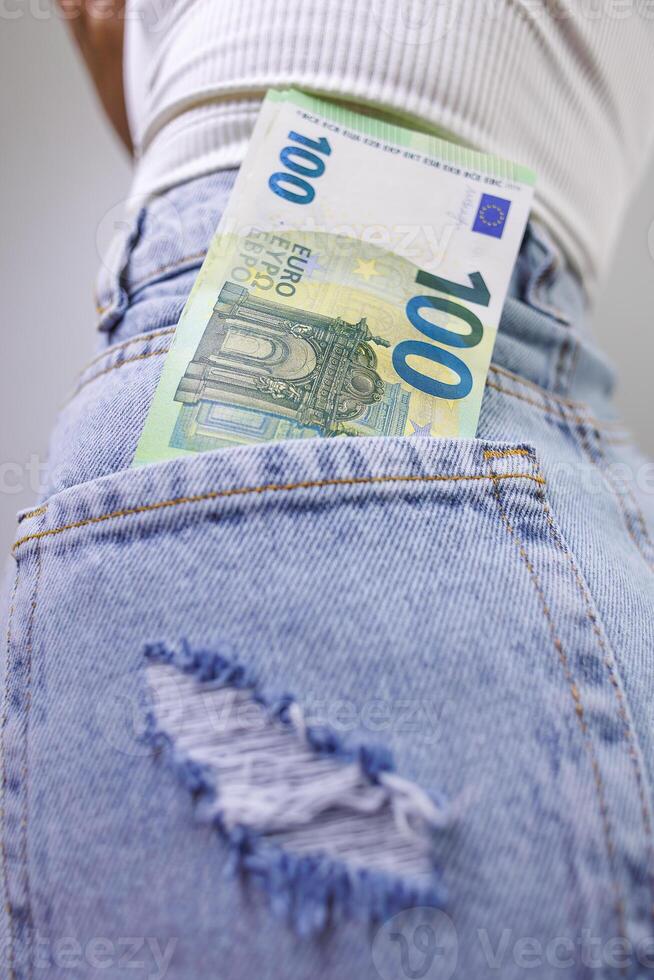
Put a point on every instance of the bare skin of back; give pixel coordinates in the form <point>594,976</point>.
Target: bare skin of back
<point>98,28</point>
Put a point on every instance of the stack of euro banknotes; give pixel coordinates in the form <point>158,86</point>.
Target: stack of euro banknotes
<point>353,287</point>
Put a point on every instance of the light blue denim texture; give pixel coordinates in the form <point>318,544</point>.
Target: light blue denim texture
<point>480,610</point>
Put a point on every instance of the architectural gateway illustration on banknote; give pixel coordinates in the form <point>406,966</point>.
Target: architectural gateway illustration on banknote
<point>264,371</point>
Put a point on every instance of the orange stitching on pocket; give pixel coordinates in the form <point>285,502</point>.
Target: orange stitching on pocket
<point>271,488</point>
<point>139,338</point>
<point>589,420</point>
<point>544,392</point>
<point>33,513</point>
<point>114,367</point>
<point>514,394</point>
<point>502,453</point>
<point>3,847</point>
<point>578,708</point>
<point>611,666</point>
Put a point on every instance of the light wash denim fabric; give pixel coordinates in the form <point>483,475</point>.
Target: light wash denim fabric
<point>446,646</point>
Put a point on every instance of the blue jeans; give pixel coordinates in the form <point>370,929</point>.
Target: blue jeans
<point>337,708</point>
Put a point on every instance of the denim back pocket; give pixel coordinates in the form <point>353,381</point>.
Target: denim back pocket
<point>409,610</point>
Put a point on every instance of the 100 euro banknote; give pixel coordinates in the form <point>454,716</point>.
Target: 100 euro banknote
<point>353,288</point>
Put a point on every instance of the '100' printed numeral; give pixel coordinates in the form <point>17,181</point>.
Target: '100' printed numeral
<point>303,165</point>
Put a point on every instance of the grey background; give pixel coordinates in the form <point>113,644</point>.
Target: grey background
<point>62,170</point>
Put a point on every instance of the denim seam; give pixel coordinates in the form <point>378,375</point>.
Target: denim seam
<point>536,295</point>
<point>584,442</point>
<point>495,368</point>
<point>589,420</point>
<point>3,847</point>
<point>33,513</point>
<point>25,770</point>
<point>588,450</point>
<point>565,364</point>
<point>640,517</point>
<point>613,672</point>
<point>25,773</point>
<point>540,272</point>
<point>141,338</point>
<point>114,367</point>
<point>560,359</point>
<point>156,273</point>
<point>503,453</point>
<point>578,704</point>
<point>115,289</point>
<point>153,275</point>
<point>544,393</point>
<point>271,488</point>
<point>572,365</point>
<point>557,412</point>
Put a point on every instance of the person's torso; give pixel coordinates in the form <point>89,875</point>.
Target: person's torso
<point>565,88</point>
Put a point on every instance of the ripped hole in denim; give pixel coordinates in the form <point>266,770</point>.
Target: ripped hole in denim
<point>328,830</point>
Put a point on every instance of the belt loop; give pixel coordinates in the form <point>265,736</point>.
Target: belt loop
<point>544,275</point>
<point>111,292</point>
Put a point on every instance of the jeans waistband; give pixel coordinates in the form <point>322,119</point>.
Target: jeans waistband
<point>543,334</point>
